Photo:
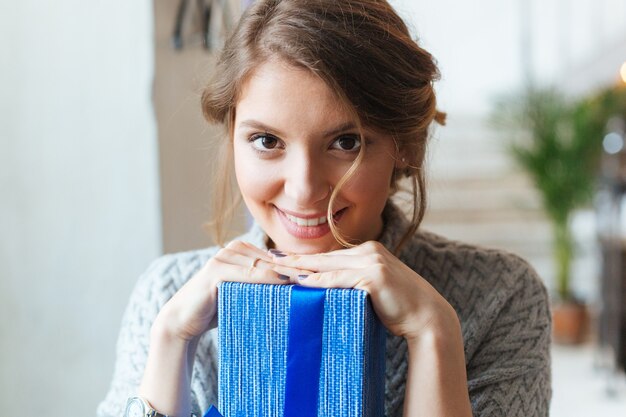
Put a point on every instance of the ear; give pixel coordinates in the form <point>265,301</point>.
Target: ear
<point>401,161</point>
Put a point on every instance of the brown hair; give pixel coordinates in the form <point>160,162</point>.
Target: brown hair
<point>363,51</point>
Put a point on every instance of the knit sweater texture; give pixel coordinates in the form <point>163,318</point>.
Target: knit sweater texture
<point>501,303</point>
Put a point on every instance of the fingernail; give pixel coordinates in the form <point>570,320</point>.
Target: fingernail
<point>303,276</point>
<point>277,253</point>
<point>283,277</point>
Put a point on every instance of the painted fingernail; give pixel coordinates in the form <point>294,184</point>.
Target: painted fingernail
<point>283,277</point>
<point>277,253</point>
<point>303,276</point>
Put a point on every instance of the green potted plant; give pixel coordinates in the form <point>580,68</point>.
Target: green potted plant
<point>559,149</point>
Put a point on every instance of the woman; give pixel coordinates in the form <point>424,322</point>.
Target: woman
<point>327,105</point>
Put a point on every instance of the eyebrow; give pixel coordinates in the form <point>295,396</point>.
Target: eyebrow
<point>326,133</point>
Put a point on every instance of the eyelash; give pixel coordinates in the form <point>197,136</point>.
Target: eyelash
<point>260,136</point>
<point>256,137</point>
<point>358,142</point>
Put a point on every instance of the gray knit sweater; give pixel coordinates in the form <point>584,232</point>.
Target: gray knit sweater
<point>501,303</point>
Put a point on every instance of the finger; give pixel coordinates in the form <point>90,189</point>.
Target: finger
<point>369,247</point>
<point>328,261</point>
<point>248,249</point>
<point>247,257</point>
<point>346,278</point>
<point>343,251</point>
<point>366,254</point>
<point>251,274</point>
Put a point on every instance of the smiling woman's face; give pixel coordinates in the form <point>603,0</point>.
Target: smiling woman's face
<point>293,141</point>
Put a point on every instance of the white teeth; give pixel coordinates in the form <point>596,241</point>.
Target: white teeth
<point>306,222</point>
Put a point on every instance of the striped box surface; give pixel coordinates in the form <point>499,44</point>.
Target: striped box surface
<point>253,335</point>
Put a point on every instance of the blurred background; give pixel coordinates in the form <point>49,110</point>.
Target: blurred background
<point>106,163</point>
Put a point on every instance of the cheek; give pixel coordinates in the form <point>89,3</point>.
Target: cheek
<point>256,183</point>
<point>371,182</point>
<point>368,189</point>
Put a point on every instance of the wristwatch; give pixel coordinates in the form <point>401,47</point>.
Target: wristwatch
<point>138,407</point>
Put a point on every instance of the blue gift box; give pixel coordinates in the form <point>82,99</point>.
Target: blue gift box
<point>268,365</point>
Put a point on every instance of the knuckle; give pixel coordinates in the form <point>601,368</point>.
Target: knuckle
<point>364,284</point>
<point>370,244</point>
<point>215,259</point>
<point>318,277</point>
<point>262,273</point>
<point>292,258</point>
<point>225,249</point>
<point>332,275</point>
<point>379,247</point>
<point>380,269</point>
<point>378,258</point>
<point>222,255</point>
<point>374,246</point>
<point>235,245</point>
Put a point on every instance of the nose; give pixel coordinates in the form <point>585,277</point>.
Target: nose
<point>307,181</point>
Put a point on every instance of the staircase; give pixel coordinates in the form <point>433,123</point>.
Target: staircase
<point>477,195</point>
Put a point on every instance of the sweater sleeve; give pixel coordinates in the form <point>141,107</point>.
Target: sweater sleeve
<point>509,374</point>
<point>153,289</point>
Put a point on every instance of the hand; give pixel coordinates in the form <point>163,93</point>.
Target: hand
<point>192,310</point>
<point>404,301</point>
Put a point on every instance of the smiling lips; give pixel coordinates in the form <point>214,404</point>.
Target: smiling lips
<point>306,222</point>
<point>307,228</point>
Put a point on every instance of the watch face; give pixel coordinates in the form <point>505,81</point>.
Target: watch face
<point>134,408</point>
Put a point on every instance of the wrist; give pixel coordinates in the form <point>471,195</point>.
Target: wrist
<point>443,327</point>
<point>165,385</point>
<point>437,378</point>
<point>171,327</point>
<point>163,332</point>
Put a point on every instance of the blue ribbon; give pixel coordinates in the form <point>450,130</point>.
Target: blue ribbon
<point>212,412</point>
<point>304,351</point>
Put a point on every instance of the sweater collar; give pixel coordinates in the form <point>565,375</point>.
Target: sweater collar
<point>395,226</point>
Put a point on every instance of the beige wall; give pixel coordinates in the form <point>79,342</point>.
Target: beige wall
<point>186,141</point>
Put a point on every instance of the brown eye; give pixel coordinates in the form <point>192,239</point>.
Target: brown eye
<point>348,143</point>
<point>264,142</point>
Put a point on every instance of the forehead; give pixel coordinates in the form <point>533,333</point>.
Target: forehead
<point>280,93</point>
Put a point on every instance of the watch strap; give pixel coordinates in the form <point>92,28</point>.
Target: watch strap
<point>148,410</point>
<point>154,413</point>
<point>151,412</point>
